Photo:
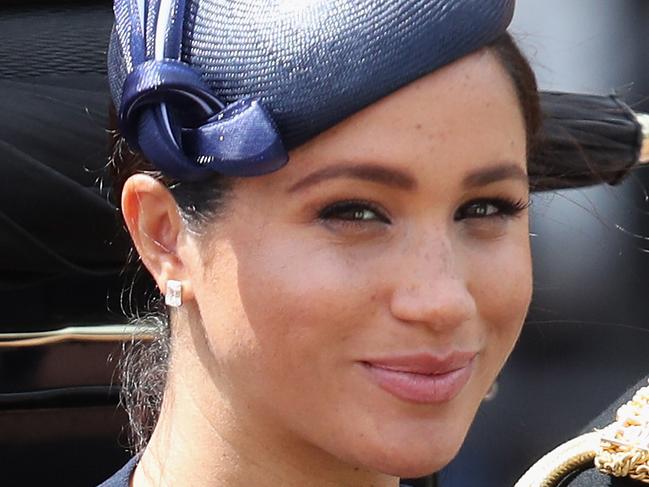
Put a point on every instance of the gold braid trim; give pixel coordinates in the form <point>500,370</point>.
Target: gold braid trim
<point>553,467</point>
<point>621,449</point>
<point>624,449</point>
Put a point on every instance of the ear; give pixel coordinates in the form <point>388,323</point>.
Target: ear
<point>156,227</point>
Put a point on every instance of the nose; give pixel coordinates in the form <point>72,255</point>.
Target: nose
<point>430,288</point>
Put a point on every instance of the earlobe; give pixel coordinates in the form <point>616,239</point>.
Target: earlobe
<point>155,225</point>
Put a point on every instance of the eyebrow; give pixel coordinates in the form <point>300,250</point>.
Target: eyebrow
<point>494,174</point>
<point>368,172</point>
<point>402,180</point>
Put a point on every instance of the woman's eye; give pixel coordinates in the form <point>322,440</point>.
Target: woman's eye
<point>488,208</point>
<point>354,212</point>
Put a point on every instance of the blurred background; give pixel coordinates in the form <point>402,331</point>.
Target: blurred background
<point>586,339</point>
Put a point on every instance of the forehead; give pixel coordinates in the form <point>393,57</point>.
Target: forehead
<point>466,114</point>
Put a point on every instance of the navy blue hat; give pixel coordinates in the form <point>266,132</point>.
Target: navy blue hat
<point>230,86</point>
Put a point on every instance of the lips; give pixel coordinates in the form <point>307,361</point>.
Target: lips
<point>422,378</point>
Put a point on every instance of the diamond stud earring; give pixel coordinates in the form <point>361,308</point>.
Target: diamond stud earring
<point>174,293</point>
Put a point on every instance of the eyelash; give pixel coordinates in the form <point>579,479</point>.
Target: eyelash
<point>505,207</point>
<point>337,209</point>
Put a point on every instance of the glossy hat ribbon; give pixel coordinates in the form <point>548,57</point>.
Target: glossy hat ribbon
<point>202,135</point>
<point>230,85</point>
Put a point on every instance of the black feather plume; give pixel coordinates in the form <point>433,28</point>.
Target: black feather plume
<point>584,140</point>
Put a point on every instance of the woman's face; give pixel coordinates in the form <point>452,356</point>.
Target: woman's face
<point>363,299</point>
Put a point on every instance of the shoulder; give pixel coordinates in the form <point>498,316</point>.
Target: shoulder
<point>122,477</point>
<point>573,464</point>
<point>593,478</point>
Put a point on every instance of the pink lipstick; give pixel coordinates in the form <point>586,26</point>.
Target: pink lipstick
<point>422,378</point>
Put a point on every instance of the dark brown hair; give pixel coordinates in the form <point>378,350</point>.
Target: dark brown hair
<point>144,367</point>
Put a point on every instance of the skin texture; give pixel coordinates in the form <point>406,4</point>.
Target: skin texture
<point>284,299</point>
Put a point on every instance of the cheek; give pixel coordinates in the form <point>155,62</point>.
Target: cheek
<point>501,283</point>
<point>275,302</point>
<point>301,293</point>
<point>304,305</point>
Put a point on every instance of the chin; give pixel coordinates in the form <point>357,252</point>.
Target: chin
<point>412,467</point>
<point>417,457</point>
<point>424,444</point>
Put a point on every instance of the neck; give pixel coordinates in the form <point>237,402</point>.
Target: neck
<point>201,440</point>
